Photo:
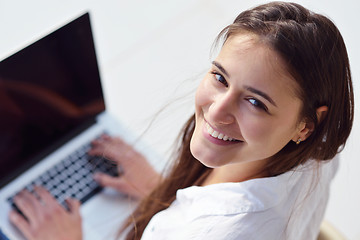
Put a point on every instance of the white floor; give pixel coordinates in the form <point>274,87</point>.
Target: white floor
<point>153,52</point>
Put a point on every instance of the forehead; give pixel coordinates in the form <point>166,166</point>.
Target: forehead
<point>247,56</point>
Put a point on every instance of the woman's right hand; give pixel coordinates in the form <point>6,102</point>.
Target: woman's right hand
<point>45,217</point>
<point>137,177</point>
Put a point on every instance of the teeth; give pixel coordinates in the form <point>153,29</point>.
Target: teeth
<point>215,134</point>
<point>218,135</point>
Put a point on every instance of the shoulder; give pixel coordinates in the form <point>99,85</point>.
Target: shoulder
<point>220,227</point>
<point>264,208</point>
<point>267,208</point>
<point>255,225</point>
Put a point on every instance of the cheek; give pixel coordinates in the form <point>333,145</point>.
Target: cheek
<point>254,130</point>
<point>202,96</point>
<point>269,133</point>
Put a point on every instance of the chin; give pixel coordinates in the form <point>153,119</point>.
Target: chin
<point>209,164</point>
<point>207,161</point>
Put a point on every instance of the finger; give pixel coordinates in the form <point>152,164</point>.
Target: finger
<point>28,204</point>
<point>118,183</point>
<point>20,222</point>
<point>105,137</point>
<point>48,200</point>
<point>74,207</point>
<point>97,142</point>
<point>102,139</point>
<point>106,180</point>
<point>130,189</point>
<point>107,151</point>
<point>73,204</point>
<point>96,150</point>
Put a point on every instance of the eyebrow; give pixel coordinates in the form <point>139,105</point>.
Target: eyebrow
<point>262,94</point>
<point>218,65</point>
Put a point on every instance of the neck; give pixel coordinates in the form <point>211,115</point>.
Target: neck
<point>238,172</point>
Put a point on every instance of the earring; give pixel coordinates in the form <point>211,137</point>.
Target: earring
<point>298,141</point>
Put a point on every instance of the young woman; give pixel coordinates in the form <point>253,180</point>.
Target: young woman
<point>256,159</point>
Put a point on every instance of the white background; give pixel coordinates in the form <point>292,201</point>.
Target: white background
<point>153,53</point>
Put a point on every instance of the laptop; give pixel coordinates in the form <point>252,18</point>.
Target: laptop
<point>51,108</point>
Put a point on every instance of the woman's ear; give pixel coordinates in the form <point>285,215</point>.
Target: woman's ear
<point>306,128</point>
<point>304,131</point>
<point>321,113</point>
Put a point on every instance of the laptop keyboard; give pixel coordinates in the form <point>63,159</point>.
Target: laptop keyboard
<point>73,176</point>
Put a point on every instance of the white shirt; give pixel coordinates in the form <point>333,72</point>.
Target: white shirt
<point>290,206</point>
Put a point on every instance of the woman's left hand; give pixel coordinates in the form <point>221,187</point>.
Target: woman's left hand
<point>46,218</point>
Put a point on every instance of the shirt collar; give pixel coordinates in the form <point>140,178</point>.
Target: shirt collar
<point>233,198</point>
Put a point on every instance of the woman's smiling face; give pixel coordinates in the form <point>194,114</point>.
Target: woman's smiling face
<point>246,106</point>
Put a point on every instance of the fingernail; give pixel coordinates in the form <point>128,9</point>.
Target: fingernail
<point>96,177</point>
<point>18,199</point>
<point>13,216</point>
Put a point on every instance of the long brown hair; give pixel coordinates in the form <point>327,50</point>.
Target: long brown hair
<point>316,57</point>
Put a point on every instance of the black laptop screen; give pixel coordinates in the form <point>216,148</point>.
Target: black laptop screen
<point>48,91</point>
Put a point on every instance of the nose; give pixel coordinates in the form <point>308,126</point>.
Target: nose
<point>221,110</point>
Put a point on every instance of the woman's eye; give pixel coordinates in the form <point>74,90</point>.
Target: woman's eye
<point>258,104</point>
<point>220,78</point>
